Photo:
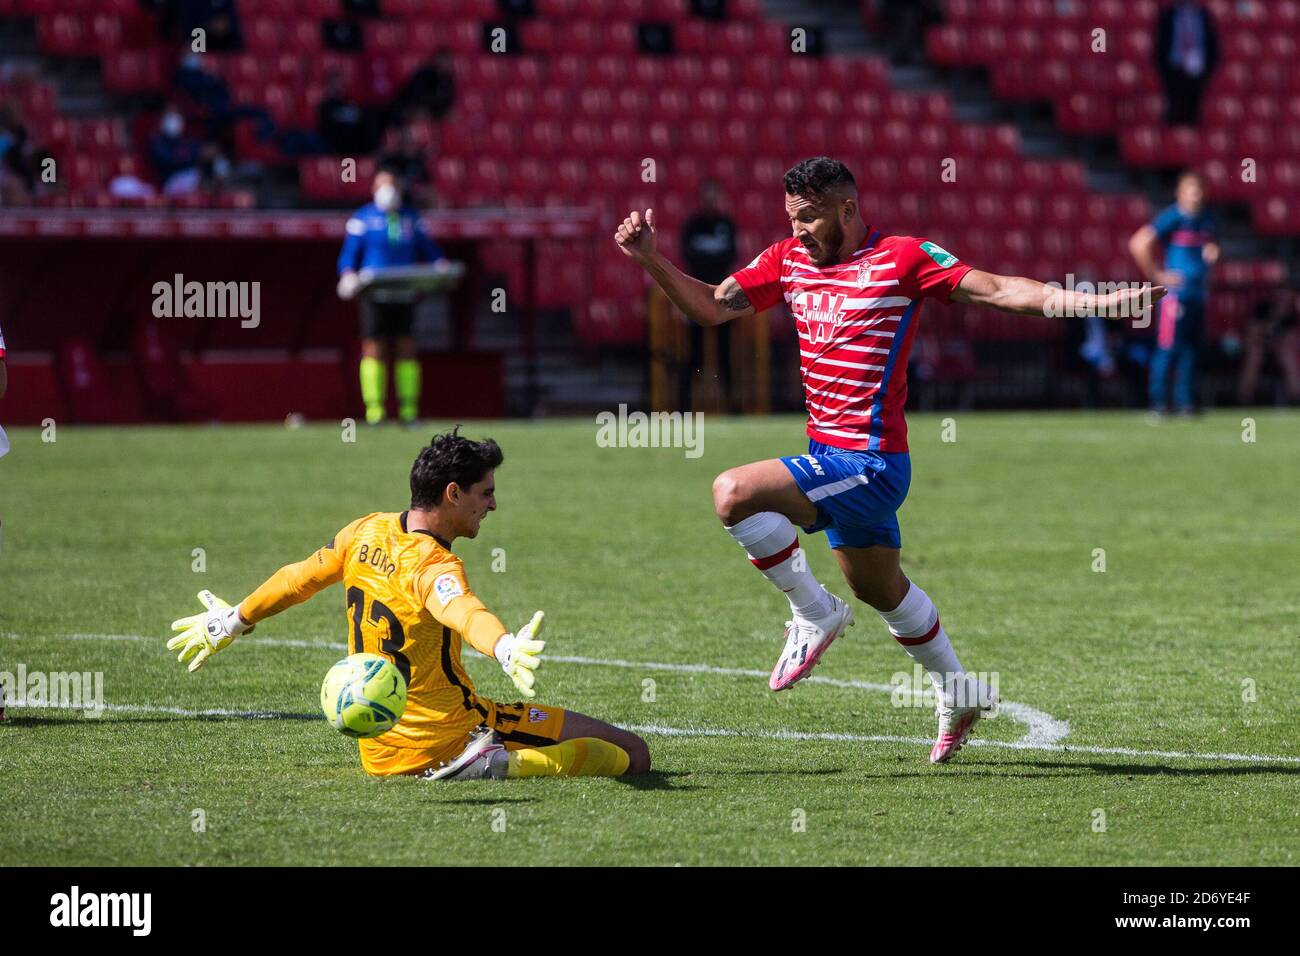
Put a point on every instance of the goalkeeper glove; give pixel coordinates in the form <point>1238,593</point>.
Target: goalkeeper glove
<point>519,654</point>
<point>202,635</point>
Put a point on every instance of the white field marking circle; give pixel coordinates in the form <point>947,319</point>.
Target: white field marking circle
<point>1043,732</point>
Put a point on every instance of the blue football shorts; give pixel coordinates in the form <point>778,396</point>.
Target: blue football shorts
<point>857,493</point>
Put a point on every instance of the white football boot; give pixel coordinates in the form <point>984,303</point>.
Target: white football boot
<point>806,641</point>
<point>956,722</point>
<point>484,758</point>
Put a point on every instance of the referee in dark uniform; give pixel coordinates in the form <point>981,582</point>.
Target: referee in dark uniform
<point>709,248</point>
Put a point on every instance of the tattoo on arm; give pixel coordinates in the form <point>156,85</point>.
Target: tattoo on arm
<point>734,299</point>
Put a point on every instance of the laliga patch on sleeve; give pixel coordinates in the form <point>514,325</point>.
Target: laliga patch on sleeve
<point>940,255</point>
<point>447,586</point>
<point>356,227</point>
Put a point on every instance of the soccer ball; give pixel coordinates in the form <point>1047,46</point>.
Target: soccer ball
<point>363,695</point>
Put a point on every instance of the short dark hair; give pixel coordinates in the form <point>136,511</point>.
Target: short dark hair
<point>815,177</point>
<point>449,458</point>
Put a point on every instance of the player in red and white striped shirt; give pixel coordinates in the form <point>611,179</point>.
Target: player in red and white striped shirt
<point>855,293</point>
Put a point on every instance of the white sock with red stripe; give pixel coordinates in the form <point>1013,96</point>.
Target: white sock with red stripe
<point>915,625</point>
<point>772,544</point>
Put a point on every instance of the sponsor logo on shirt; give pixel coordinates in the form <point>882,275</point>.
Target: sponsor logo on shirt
<point>940,255</point>
<point>822,311</point>
<point>447,586</point>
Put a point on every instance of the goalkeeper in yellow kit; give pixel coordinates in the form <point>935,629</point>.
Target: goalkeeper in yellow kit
<point>407,599</point>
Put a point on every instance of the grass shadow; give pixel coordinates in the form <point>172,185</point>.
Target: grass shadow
<point>657,780</point>
<point>486,801</point>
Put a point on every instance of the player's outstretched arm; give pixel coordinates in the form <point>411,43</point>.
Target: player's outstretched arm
<point>702,303</point>
<point>202,635</point>
<point>1031,297</point>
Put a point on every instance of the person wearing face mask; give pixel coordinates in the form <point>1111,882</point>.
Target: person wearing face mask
<point>170,150</point>
<point>384,233</point>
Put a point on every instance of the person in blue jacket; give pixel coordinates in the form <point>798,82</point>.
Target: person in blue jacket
<point>386,232</point>
<point>1189,235</point>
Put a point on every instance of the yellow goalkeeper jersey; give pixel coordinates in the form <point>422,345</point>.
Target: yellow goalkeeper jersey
<point>407,599</point>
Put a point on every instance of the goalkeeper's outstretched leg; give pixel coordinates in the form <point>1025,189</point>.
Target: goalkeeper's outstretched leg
<point>586,747</point>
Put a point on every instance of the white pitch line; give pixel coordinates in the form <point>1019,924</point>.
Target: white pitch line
<point>1043,729</point>
<point>973,742</point>
<point>161,640</point>
<point>663,731</point>
<point>180,711</point>
<point>1043,734</point>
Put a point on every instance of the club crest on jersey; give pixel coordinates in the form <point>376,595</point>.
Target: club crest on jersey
<point>821,311</point>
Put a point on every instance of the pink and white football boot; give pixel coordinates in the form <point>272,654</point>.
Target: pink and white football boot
<point>806,641</point>
<point>955,723</point>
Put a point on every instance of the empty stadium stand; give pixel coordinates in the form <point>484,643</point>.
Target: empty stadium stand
<point>578,115</point>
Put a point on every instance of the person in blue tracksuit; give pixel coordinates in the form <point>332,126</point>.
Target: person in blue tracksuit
<point>1188,234</point>
<point>386,232</point>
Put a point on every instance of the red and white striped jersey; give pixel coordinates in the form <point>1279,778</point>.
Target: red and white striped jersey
<point>856,322</point>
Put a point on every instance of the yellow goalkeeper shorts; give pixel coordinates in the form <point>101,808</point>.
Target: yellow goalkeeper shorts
<point>520,725</point>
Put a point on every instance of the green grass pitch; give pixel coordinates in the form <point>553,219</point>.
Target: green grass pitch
<point>1186,642</point>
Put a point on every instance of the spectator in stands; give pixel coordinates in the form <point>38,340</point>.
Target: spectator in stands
<point>905,21</point>
<point>709,248</point>
<point>430,90</point>
<point>13,186</point>
<point>386,232</point>
<point>183,163</point>
<point>210,97</point>
<point>1187,50</point>
<point>19,159</point>
<point>170,150</point>
<point>1188,233</point>
<point>346,128</point>
<point>1274,326</point>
